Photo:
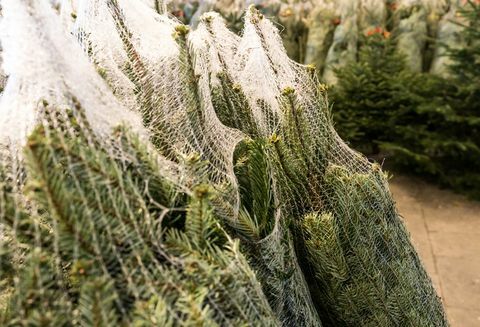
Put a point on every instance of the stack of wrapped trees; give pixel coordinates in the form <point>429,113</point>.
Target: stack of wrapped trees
<point>155,176</point>
<point>328,33</point>
<point>291,16</point>
<point>422,30</point>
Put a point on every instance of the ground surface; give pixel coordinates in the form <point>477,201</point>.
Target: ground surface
<point>445,229</point>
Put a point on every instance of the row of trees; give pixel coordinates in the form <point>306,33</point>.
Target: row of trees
<point>426,124</point>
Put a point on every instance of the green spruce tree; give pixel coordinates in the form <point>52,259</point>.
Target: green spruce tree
<point>465,70</point>
<point>369,91</point>
<point>423,124</point>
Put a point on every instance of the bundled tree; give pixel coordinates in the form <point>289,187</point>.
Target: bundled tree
<point>362,277</point>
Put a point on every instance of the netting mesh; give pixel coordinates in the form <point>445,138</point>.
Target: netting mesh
<point>344,246</point>
<point>183,178</point>
<point>322,26</point>
<point>35,78</point>
<point>171,92</point>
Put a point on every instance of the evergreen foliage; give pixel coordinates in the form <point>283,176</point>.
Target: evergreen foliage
<point>255,181</point>
<point>363,277</point>
<point>368,91</point>
<point>111,261</point>
<point>426,123</point>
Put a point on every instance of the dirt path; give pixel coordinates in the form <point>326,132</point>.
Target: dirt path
<point>445,229</point>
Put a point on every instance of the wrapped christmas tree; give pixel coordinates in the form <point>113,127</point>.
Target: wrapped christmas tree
<point>322,23</point>
<point>373,13</point>
<point>449,35</point>
<point>114,234</point>
<point>411,24</point>
<point>345,41</point>
<point>424,123</point>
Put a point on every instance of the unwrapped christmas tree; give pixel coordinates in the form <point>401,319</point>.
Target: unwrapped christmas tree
<point>425,124</point>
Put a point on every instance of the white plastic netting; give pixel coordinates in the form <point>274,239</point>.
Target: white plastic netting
<point>423,29</point>
<point>58,73</point>
<point>140,52</point>
<point>334,31</point>
<point>372,13</point>
<point>412,30</point>
<point>327,33</point>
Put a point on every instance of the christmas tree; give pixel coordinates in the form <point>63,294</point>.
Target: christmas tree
<point>424,124</point>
